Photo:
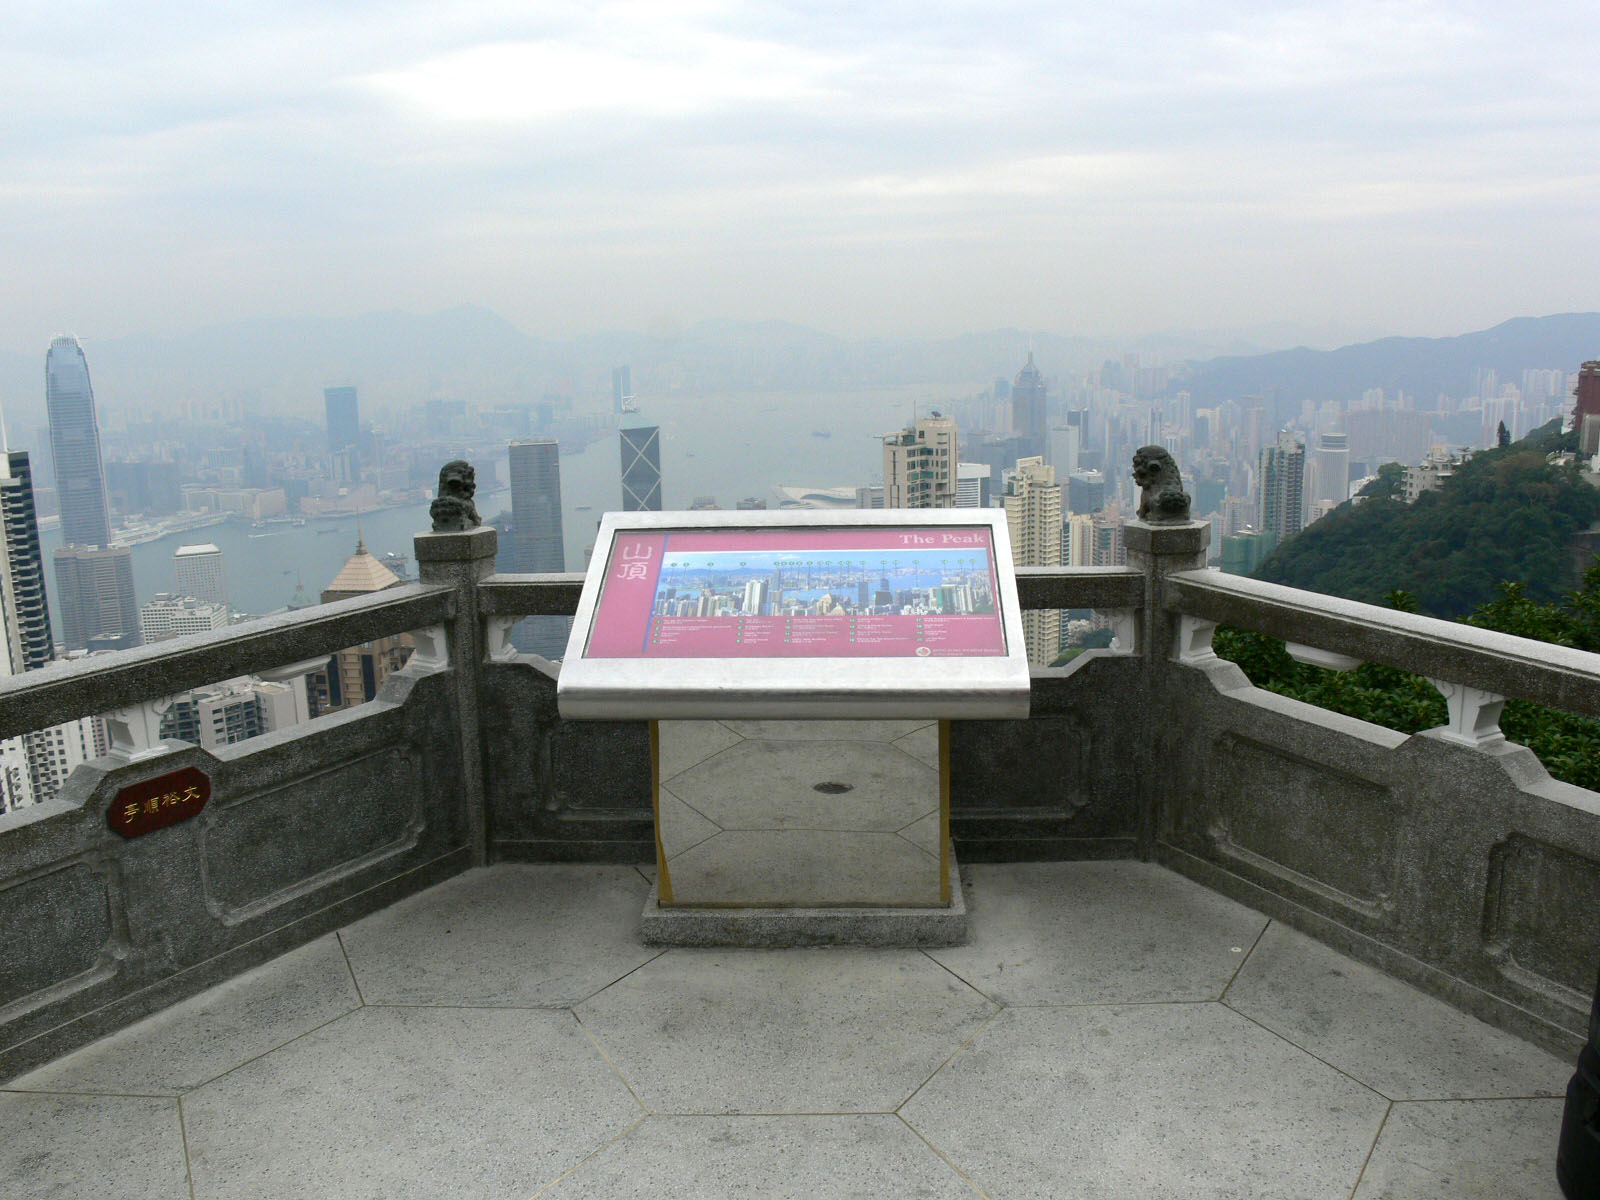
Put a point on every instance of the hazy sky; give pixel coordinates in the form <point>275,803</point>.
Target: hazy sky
<point>866,168</point>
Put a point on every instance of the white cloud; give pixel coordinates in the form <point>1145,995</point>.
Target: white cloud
<point>317,146</point>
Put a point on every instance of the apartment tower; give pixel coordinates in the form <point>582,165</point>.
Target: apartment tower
<point>1281,484</point>
<point>1033,517</point>
<point>919,464</point>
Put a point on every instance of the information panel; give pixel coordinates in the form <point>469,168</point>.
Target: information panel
<point>799,593</point>
<point>900,613</point>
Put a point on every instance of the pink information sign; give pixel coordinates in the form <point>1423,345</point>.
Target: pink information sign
<point>876,592</point>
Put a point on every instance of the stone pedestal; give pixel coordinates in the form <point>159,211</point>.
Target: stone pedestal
<point>787,833</point>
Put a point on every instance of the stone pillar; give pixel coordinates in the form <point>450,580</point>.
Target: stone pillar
<point>1159,550</point>
<point>461,560</point>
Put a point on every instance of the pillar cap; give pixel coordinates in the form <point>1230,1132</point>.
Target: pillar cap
<point>1191,537</point>
<point>467,546</point>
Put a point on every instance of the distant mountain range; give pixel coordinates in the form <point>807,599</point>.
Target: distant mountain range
<point>470,353</point>
<point>1423,367</point>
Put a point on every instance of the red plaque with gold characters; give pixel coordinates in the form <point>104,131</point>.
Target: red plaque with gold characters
<point>153,804</point>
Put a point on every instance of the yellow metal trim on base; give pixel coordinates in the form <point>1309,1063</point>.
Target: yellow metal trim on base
<point>944,812</point>
<point>663,876</point>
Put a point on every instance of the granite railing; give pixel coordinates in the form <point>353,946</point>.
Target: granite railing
<point>1449,859</point>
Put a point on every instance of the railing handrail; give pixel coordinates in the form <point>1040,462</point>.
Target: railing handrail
<point>530,595</point>
<point>1502,663</point>
<point>1080,587</point>
<point>96,684</point>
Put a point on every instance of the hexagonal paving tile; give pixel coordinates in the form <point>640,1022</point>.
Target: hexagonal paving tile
<point>782,1031</point>
<point>772,785</point>
<point>1099,933</point>
<point>1184,1100</point>
<point>777,1158</point>
<point>197,1039</point>
<point>1446,1150</point>
<point>504,935</point>
<point>1387,1034</point>
<point>409,1102</point>
<point>59,1146</point>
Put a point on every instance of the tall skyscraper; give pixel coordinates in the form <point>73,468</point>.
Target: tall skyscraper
<point>1028,419</point>
<point>622,399</point>
<point>641,469</point>
<point>200,573</point>
<point>535,542</point>
<point>1033,518</point>
<point>344,426</point>
<point>1329,474</point>
<point>95,590</point>
<point>1281,483</point>
<point>75,446</point>
<point>919,464</point>
<point>1065,448</point>
<point>34,766</point>
<point>25,618</point>
<point>29,642</point>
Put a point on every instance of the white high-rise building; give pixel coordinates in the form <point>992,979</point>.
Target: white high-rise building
<point>972,485</point>
<point>1033,517</point>
<point>233,711</point>
<point>1078,550</point>
<point>55,752</point>
<point>1064,447</point>
<point>919,464</point>
<point>1328,480</point>
<point>200,574</point>
<point>169,616</point>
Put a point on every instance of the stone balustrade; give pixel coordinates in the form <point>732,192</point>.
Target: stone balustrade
<point>1449,859</point>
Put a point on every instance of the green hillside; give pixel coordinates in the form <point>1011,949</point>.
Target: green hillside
<point>1506,516</point>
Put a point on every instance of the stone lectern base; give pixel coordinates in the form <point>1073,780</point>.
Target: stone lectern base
<point>781,927</point>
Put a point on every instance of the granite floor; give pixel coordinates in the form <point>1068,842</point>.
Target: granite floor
<point>1112,1030</point>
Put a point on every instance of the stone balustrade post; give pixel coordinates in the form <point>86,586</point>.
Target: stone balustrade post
<point>1160,550</point>
<point>461,560</point>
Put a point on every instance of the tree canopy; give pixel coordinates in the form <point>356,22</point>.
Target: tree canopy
<point>1509,513</point>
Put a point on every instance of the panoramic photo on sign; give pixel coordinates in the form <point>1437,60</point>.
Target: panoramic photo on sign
<point>882,592</point>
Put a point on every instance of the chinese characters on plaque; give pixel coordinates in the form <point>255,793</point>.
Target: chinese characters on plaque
<point>152,804</point>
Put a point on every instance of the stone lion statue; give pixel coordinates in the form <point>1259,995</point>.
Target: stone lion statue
<point>452,509</point>
<point>1162,500</point>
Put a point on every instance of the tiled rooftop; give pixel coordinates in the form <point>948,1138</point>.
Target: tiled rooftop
<point>1111,1030</point>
